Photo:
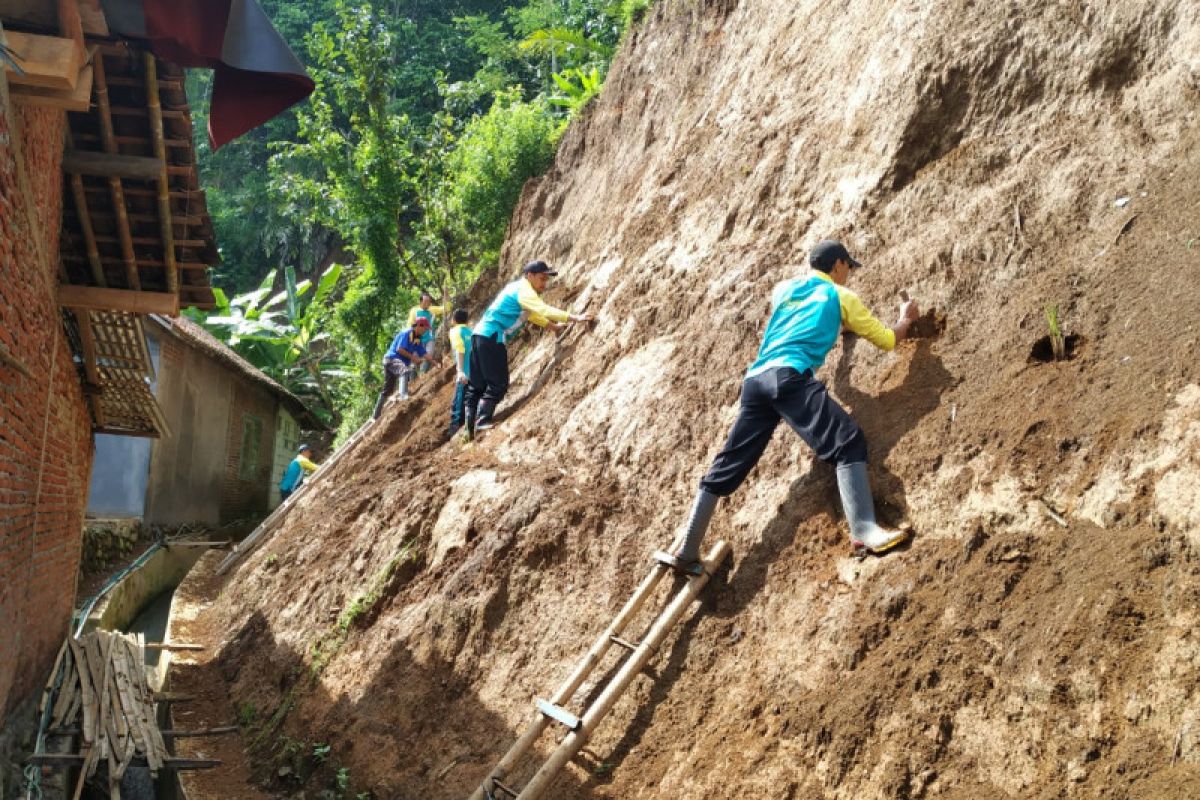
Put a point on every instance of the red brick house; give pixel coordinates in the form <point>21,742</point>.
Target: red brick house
<point>102,223</point>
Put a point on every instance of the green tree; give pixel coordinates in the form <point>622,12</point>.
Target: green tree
<point>283,335</point>
<point>351,170</point>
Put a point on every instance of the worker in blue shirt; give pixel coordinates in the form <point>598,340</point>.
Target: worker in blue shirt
<point>807,314</point>
<point>517,303</point>
<point>296,472</point>
<point>406,351</point>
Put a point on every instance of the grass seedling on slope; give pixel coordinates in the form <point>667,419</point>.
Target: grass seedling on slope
<point>1057,344</point>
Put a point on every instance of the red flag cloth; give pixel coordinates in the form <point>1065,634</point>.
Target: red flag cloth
<point>256,75</point>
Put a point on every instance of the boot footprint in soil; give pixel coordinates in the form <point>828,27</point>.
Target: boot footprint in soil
<point>866,536</point>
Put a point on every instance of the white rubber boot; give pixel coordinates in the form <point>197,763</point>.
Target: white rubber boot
<point>865,534</point>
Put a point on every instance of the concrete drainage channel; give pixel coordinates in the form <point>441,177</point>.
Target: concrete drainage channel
<point>140,602</point>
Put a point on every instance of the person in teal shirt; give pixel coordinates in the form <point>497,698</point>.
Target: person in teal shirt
<point>518,302</point>
<point>296,471</point>
<point>807,314</point>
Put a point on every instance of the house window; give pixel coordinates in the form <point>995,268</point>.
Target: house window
<point>251,438</point>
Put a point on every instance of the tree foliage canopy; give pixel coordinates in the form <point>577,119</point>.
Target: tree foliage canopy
<point>404,165</point>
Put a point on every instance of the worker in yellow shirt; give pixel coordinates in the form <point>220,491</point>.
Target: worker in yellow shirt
<point>302,465</point>
<point>518,302</point>
<point>460,345</point>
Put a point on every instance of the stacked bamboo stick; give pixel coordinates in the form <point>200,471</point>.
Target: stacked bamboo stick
<point>105,696</point>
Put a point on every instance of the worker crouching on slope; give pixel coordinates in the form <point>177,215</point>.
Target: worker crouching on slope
<point>487,378</point>
<point>406,351</point>
<point>807,313</point>
<point>296,472</point>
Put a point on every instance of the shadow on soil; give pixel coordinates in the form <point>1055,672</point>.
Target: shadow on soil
<point>414,732</point>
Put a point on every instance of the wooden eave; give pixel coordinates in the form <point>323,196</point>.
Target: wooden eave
<point>136,236</point>
<point>135,218</point>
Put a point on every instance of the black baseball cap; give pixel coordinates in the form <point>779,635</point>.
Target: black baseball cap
<point>303,447</point>
<point>538,268</point>
<point>827,252</point>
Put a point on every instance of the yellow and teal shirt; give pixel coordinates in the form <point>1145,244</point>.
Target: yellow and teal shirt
<point>806,316</point>
<point>293,476</point>
<point>460,340</point>
<point>517,303</point>
<point>432,313</point>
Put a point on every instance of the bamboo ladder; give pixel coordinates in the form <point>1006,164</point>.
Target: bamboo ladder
<point>579,729</point>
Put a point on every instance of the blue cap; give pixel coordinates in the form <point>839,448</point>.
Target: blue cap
<point>303,447</point>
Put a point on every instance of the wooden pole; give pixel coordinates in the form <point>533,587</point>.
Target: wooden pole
<point>89,235</point>
<point>575,740</point>
<point>88,339</point>
<point>164,188</point>
<point>576,679</point>
<point>104,112</point>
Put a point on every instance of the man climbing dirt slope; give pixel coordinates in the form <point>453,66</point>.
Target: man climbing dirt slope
<point>1037,641</point>
<point>807,314</point>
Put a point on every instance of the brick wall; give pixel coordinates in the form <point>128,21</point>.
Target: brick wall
<point>246,492</point>
<point>45,429</point>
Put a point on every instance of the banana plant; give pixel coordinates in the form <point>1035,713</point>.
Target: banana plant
<point>577,95</point>
<point>282,334</point>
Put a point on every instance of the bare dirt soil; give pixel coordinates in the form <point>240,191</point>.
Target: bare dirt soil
<point>1037,640</point>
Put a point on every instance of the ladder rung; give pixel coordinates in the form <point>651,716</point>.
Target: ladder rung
<point>667,560</point>
<point>500,787</point>
<point>628,645</point>
<point>559,714</point>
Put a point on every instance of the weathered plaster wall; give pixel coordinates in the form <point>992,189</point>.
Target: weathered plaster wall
<point>195,472</point>
<point>45,428</point>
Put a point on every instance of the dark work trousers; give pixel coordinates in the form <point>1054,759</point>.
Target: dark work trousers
<point>456,406</point>
<point>487,380</point>
<point>284,494</point>
<point>393,370</point>
<point>801,400</point>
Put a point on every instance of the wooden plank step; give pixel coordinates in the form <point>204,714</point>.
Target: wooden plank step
<point>628,645</point>
<point>558,714</point>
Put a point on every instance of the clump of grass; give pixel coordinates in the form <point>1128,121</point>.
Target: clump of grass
<point>1058,345</point>
<point>362,604</point>
<point>329,643</point>
<point>247,714</point>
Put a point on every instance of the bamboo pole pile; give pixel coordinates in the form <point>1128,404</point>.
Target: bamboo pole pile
<point>104,695</point>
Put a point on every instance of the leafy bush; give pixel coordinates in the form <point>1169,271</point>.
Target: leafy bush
<point>496,154</point>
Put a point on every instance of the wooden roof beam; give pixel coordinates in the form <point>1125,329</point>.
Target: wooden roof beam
<point>144,262</point>
<point>96,298</point>
<point>49,62</point>
<point>136,191</point>
<point>114,183</point>
<point>164,187</point>
<point>178,144</point>
<point>112,165</point>
<point>89,235</point>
